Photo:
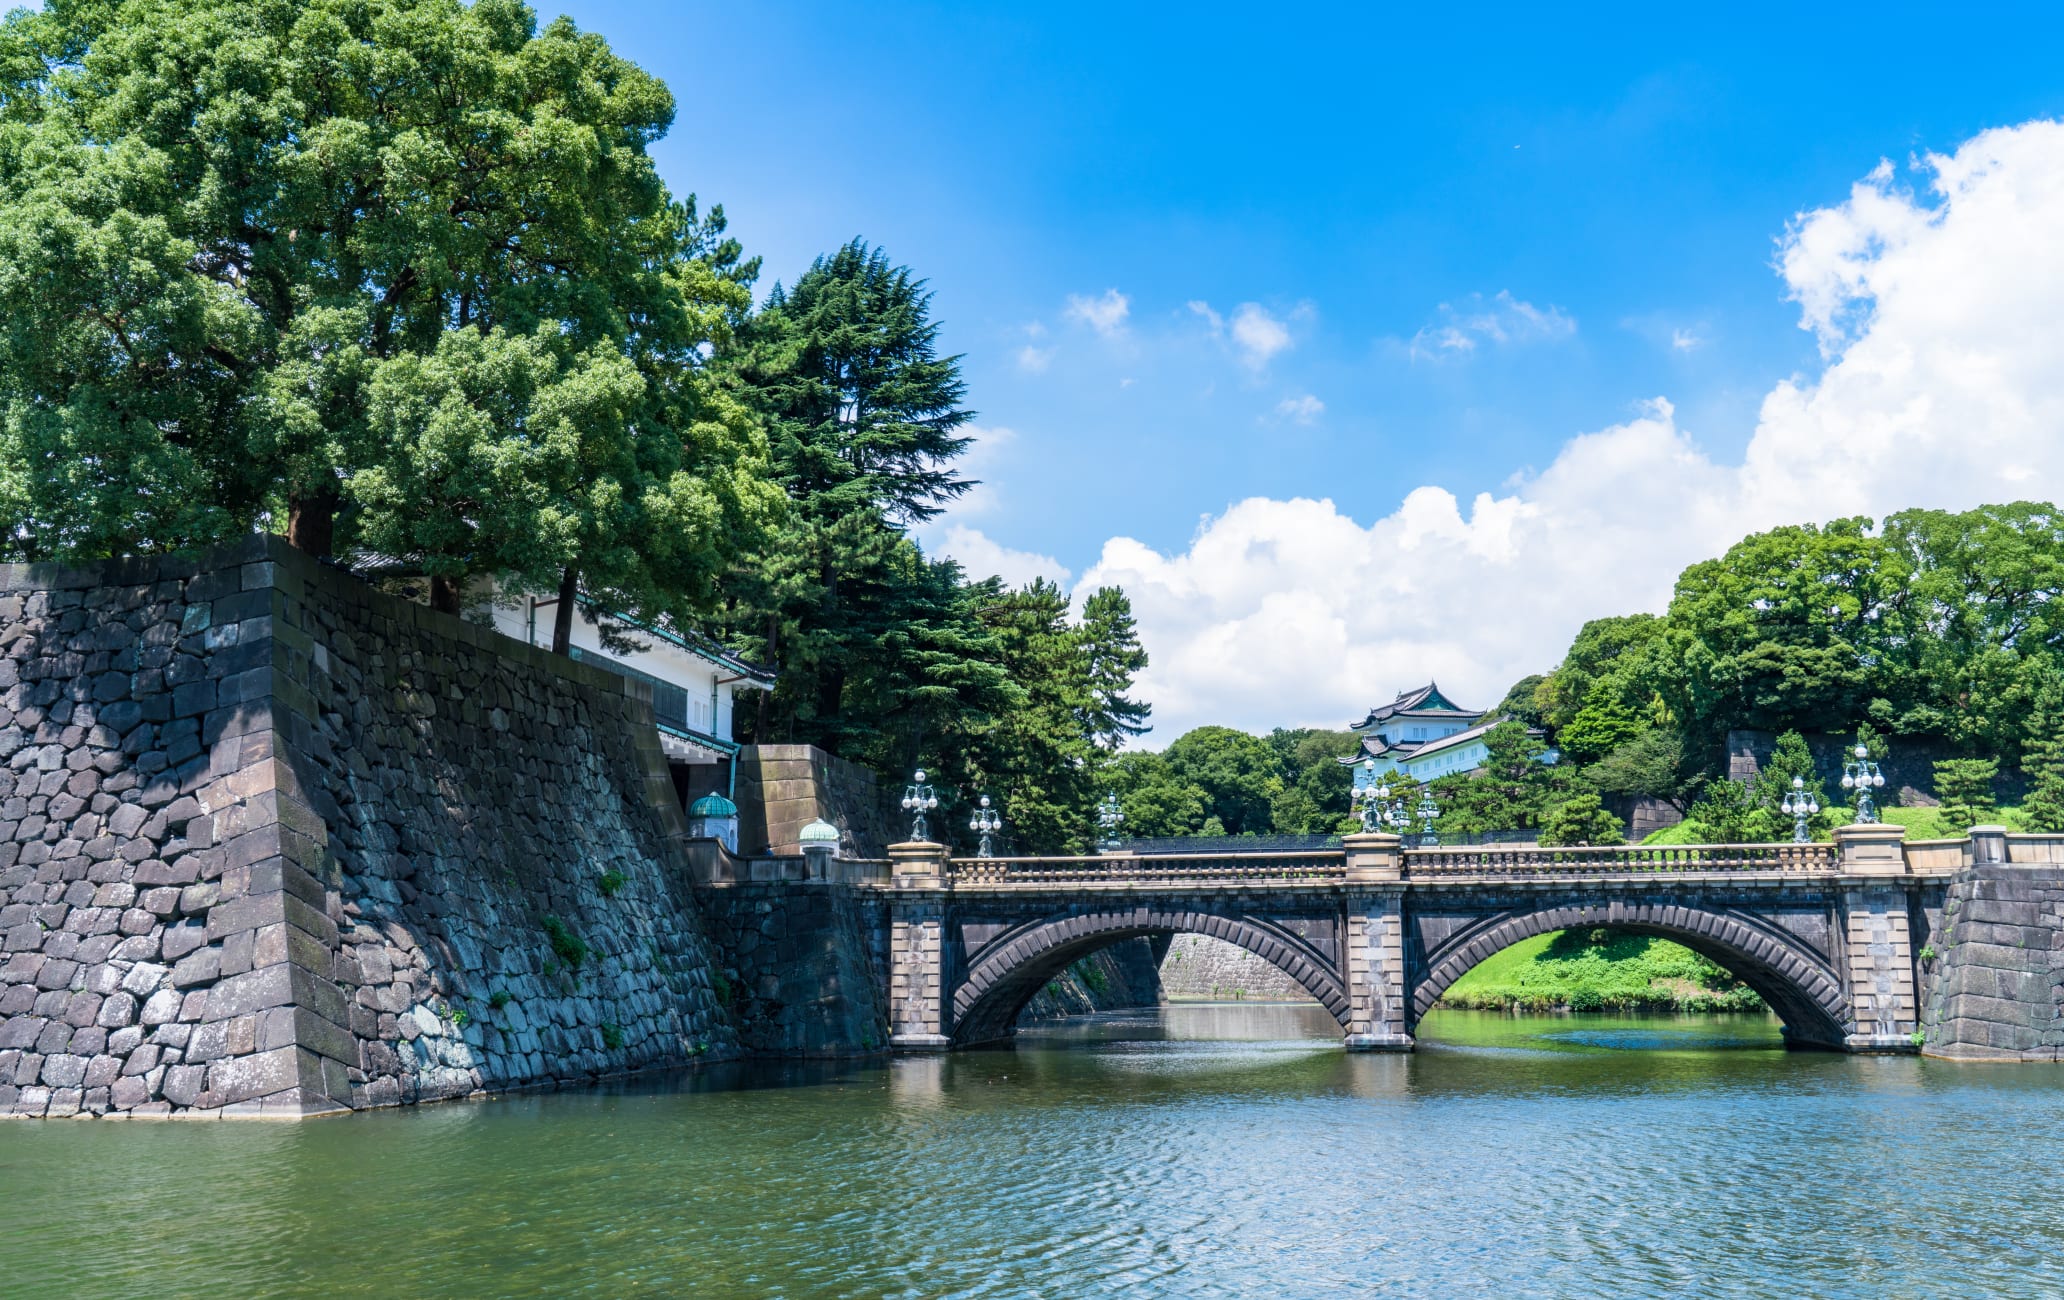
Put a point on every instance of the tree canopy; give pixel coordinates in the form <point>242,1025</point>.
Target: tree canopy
<point>392,273</point>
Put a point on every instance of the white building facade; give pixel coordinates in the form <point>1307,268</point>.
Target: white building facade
<point>695,682</point>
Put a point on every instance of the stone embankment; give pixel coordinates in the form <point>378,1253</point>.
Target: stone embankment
<point>1997,963</point>
<point>1200,967</point>
<point>274,843</point>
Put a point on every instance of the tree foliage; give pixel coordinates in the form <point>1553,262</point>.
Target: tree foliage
<point>401,269</point>
<point>1965,786</point>
<point>1582,819</point>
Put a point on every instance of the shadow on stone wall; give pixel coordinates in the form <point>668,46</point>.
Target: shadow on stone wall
<point>275,843</point>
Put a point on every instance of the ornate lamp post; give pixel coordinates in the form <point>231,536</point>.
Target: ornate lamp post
<point>1862,775</point>
<point>1802,807</point>
<point>1366,802</point>
<point>918,800</point>
<point>1428,811</point>
<point>1109,818</point>
<point>985,823</point>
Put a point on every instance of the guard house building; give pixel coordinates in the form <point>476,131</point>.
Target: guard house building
<point>694,683</point>
<point>1423,734</point>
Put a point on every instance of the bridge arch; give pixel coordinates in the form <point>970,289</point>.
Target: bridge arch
<point>1005,975</point>
<point>1796,983</point>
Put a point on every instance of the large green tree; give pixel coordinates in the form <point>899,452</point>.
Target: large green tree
<point>863,417</point>
<point>1235,770</point>
<point>398,272</point>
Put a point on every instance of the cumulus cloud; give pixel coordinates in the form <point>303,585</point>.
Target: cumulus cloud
<point>955,532</point>
<point>1940,310</point>
<point>1034,359</point>
<point>982,557</point>
<point>1303,408</point>
<point>1105,313</point>
<point>1458,331</point>
<point>1256,334</point>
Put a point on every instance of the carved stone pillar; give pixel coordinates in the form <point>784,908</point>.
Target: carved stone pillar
<point>917,948</point>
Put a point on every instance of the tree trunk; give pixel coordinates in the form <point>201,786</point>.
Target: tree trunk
<point>562,613</point>
<point>312,522</point>
<point>444,594</point>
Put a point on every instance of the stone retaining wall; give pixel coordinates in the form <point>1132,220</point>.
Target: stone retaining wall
<point>1121,977</point>
<point>801,965</point>
<point>1997,986</point>
<point>274,843</point>
<point>1200,966</point>
<point>783,788</point>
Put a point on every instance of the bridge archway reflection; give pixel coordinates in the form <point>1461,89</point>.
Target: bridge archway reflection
<point>1003,977</point>
<point>1795,982</point>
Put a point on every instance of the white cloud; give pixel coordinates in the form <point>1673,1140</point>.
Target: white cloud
<point>1942,316</point>
<point>952,532</point>
<point>1684,340</point>
<point>1258,335</point>
<point>1255,333</point>
<point>1105,314</point>
<point>1502,319</point>
<point>1304,408</point>
<point>983,557</point>
<point>1035,359</point>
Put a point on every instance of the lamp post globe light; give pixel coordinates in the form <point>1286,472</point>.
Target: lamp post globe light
<point>1802,808</point>
<point>985,823</point>
<point>1109,818</point>
<point>918,800</point>
<point>1862,775</point>
<point>1367,801</point>
<point>1428,812</point>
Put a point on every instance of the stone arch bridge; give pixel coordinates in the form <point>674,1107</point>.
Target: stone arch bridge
<point>1826,933</point>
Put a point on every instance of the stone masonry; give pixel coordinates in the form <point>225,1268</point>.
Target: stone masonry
<point>783,788</point>
<point>274,843</point>
<point>1199,966</point>
<point>1997,991</point>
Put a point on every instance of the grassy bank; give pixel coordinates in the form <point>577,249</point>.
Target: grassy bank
<point>1920,823</point>
<point>1598,970</point>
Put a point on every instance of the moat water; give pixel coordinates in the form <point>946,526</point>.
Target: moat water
<point>1207,1150</point>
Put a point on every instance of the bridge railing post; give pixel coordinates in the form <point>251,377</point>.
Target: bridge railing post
<point>1878,953</point>
<point>1373,856</point>
<point>917,947</point>
<point>1876,849</point>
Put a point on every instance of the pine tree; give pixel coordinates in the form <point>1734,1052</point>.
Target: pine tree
<point>862,418</point>
<point>1965,787</point>
<point>1582,819</point>
<point>1115,660</point>
<point>2042,759</point>
<point>1790,758</point>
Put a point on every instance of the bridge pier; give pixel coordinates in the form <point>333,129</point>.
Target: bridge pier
<point>917,947</point>
<point>1375,944</point>
<point>1878,941</point>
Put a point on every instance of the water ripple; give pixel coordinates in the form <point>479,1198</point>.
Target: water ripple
<point>1205,1152</point>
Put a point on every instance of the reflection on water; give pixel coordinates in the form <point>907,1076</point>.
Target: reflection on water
<point>1207,1150</point>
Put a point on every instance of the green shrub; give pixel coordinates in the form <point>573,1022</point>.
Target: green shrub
<point>724,990</point>
<point>612,1036</point>
<point>498,999</point>
<point>566,945</point>
<point>611,882</point>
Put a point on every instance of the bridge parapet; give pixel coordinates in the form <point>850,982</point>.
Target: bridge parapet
<point>1504,863</point>
<point>1320,866</point>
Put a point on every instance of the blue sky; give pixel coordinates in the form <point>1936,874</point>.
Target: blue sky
<point>1359,252</point>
